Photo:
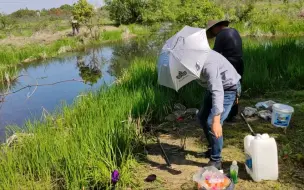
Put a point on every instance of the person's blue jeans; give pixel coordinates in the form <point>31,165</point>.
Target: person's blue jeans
<point>205,117</point>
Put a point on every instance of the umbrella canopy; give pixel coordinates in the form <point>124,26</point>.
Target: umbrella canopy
<point>182,57</point>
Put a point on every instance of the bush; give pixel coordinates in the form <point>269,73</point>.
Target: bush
<point>6,21</point>
<point>160,11</point>
<point>66,7</point>
<point>198,12</point>
<point>125,11</point>
<point>24,13</point>
<point>237,10</point>
<point>82,11</point>
<point>190,12</point>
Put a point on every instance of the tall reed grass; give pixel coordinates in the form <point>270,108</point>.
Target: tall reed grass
<point>273,65</point>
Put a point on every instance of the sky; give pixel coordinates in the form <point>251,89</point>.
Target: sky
<point>9,6</point>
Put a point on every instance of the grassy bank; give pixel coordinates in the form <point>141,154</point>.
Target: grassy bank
<point>84,144</point>
<point>80,146</point>
<point>13,56</point>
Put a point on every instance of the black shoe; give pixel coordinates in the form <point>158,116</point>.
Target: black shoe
<point>206,154</point>
<point>217,165</point>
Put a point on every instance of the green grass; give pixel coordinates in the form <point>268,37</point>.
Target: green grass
<point>11,55</point>
<point>141,29</point>
<point>80,146</point>
<point>274,18</point>
<point>273,65</point>
<point>111,35</point>
<point>277,28</point>
<point>26,27</point>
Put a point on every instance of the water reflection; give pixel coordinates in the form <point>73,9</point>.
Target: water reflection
<point>90,71</point>
<point>148,46</point>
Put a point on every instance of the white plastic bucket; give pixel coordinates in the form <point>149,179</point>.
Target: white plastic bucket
<point>281,115</point>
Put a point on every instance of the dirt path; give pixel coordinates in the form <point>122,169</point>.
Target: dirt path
<point>186,162</point>
<point>44,37</point>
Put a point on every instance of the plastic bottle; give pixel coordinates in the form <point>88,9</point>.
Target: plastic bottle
<point>261,157</point>
<point>234,170</point>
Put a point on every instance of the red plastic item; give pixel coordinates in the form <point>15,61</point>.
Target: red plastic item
<point>180,119</point>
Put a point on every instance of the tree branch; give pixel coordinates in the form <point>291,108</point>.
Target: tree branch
<point>37,85</point>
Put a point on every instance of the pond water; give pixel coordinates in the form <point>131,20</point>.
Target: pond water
<point>97,67</point>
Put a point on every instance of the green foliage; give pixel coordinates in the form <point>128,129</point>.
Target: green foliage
<point>66,7</point>
<point>198,12</point>
<point>191,12</point>
<point>286,1</point>
<point>6,21</point>
<point>82,11</point>
<point>237,10</point>
<point>261,21</point>
<point>125,11</point>
<point>255,18</point>
<point>24,13</point>
<point>160,11</point>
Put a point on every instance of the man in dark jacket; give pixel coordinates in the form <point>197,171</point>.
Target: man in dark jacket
<point>228,42</point>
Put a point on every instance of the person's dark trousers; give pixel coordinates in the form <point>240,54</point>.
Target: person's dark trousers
<point>238,64</point>
<point>205,118</point>
<point>74,28</point>
<point>77,28</point>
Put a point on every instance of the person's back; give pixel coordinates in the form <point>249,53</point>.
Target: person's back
<point>229,43</point>
<point>216,62</point>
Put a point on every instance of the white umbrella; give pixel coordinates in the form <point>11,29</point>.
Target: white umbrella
<point>182,57</point>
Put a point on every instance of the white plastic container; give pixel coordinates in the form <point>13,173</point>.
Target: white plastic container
<point>261,157</point>
<point>281,115</point>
